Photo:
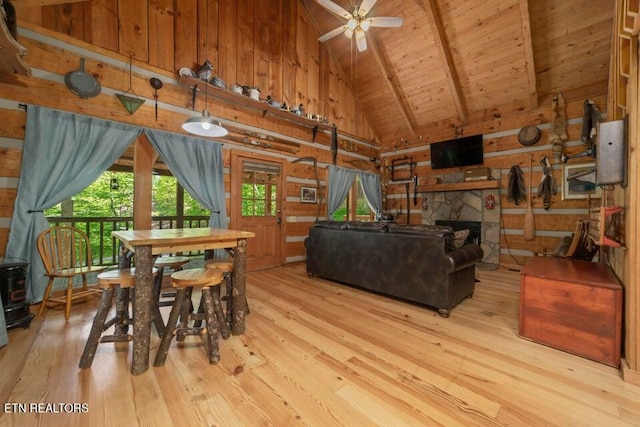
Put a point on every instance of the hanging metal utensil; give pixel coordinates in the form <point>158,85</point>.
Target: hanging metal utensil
<point>82,83</point>
<point>131,103</point>
<point>155,84</point>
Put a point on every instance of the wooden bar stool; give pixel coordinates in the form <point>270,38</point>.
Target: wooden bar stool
<point>226,266</point>
<point>184,281</point>
<point>122,280</point>
<point>173,262</point>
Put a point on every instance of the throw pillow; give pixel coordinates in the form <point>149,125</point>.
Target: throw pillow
<point>459,237</point>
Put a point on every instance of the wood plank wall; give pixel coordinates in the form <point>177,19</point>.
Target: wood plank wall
<point>266,43</point>
<point>282,57</point>
<point>623,100</point>
<point>501,151</point>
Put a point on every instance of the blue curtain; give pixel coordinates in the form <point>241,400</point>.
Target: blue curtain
<point>63,153</point>
<point>340,181</point>
<point>372,190</point>
<point>198,166</point>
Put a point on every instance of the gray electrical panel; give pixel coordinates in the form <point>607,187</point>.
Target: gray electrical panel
<point>611,152</point>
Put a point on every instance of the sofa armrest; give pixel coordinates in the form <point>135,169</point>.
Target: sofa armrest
<point>462,257</point>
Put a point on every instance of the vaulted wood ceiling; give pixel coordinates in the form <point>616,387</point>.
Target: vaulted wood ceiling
<point>460,62</point>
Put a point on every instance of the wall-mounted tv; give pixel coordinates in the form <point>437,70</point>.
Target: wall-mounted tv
<point>465,151</point>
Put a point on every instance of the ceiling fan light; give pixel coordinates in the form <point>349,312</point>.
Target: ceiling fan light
<point>348,32</point>
<point>352,24</point>
<point>204,126</point>
<point>365,24</point>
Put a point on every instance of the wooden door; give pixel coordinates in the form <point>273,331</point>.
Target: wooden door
<point>257,200</point>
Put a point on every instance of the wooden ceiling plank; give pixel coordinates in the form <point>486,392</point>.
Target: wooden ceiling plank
<point>40,3</point>
<point>447,60</point>
<point>527,43</point>
<point>389,79</point>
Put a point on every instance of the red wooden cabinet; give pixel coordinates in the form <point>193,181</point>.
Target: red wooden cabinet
<point>574,306</point>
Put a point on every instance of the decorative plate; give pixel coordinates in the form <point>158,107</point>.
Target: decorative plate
<point>187,72</point>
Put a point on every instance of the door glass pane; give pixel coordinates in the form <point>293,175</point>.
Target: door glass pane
<point>259,189</point>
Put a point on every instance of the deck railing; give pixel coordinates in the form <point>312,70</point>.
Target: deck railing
<point>99,231</point>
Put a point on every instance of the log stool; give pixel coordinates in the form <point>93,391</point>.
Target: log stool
<point>184,281</point>
<point>226,266</point>
<point>122,280</point>
<point>173,262</point>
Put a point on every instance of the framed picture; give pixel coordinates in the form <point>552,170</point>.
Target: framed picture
<point>308,195</point>
<point>578,182</point>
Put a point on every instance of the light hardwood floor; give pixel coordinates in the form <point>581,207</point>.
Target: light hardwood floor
<point>316,353</point>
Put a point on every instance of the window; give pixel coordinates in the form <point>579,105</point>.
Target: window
<point>354,207</point>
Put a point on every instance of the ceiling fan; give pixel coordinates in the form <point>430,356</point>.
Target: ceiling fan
<point>357,22</point>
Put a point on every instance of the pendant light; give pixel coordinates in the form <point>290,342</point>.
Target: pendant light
<point>204,125</point>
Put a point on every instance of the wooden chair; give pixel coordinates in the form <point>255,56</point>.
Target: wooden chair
<point>184,281</point>
<point>66,253</point>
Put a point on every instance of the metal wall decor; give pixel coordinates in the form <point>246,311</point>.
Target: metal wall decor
<point>129,99</point>
<point>155,84</point>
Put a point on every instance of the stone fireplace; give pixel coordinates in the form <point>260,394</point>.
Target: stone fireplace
<point>458,207</point>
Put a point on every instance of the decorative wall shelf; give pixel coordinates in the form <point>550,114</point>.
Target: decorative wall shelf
<point>402,170</point>
<point>598,223</point>
<point>243,101</point>
<point>460,186</point>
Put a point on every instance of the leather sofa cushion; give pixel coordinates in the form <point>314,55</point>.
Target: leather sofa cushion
<point>332,225</point>
<point>366,226</point>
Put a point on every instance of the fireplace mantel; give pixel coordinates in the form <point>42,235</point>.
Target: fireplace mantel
<point>460,186</point>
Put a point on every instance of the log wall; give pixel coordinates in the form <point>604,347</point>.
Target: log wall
<point>268,44</point>
<point>501,151</point>
<point>280,55</point>
<point>624,90</point>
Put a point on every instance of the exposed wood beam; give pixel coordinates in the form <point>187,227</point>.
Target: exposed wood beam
<point>389,78</point>
<point>527,44</point>
<point>143,154</point>
<point>433,15</point>
<point>40,3</point>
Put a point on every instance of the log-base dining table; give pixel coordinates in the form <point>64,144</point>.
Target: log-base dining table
<point>147,243</point>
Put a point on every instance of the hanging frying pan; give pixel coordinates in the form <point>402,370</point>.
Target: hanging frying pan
<point>81,83</point>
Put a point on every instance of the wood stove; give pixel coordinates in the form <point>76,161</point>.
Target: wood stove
<point>13,277</point>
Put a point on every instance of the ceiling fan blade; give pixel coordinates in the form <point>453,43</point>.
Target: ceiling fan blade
<point>365,7</point>
<point>334,8</point>
<point>385,21</point>
<point>361,40</point>
<point>331,34</point>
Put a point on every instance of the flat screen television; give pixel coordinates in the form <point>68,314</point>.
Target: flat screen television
<point>465,151</point>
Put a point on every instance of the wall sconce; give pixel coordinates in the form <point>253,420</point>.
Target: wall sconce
<point>490,201</point>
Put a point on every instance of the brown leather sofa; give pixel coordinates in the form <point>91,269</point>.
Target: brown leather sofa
<point>413,262</point>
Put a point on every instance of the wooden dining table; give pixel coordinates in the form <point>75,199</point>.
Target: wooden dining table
<point>147,243</point>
